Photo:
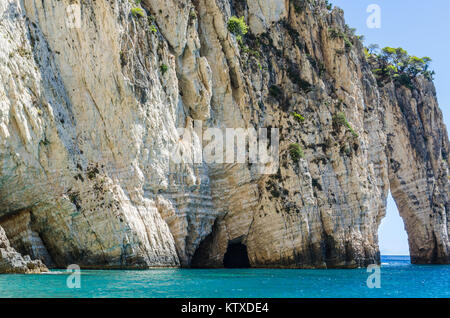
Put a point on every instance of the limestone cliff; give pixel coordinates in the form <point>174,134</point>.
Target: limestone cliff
<point>89,111</point>
<point>12,262</point>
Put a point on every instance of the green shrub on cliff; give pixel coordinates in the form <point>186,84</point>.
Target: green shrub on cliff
<point>338,34</point>
<point>298,117</point>
<point>339,120</point>
<point>296,152</point>
<point>137,12</point>
<point>348,44</point>
<point>397,65</point>
<point>238,27</point>
<point>153,29</point>
<point>164,68</point>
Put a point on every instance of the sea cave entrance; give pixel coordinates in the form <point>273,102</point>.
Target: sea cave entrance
<point>236,256</point>
<point>392,236</point>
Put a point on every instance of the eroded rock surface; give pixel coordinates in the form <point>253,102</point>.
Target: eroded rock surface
<point>88,127</point>
<point>11,262</point>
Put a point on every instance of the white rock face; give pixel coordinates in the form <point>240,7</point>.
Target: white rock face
<point>88,128</point>
<point>263,13</point>
<point>172,16</point>
<point>82,152</point>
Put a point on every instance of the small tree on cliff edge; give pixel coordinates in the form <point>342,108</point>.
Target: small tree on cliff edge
<point>396,64</point>
<point>402,62</point>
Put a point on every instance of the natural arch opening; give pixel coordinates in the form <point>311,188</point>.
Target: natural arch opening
<point>392,236</point>
<point>236,256</point>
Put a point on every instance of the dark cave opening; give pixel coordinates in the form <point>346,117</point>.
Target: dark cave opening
<point>236,256</point>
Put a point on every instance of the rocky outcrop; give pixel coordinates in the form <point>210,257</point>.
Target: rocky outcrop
<point>12,262</point>
<point>89,118</point>
<point>417,152</point>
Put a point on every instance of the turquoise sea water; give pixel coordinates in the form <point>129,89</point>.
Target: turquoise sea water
<point>398,279</point>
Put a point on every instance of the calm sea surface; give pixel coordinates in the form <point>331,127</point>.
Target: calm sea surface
<point>398,279</point>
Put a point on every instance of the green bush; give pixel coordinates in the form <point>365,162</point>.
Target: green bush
<point>396,64</point>
<point>153,29</point>
<point>237,26</point>
<point>337,34</point>
<point>339,120</point>
<point>164,68</point>
<point>405,80</point>
<point>137,12</point>
<point>296,152</point>
<point>298,117</point>
<point>348,44</point>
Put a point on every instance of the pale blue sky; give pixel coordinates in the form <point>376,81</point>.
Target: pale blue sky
<point>422,28</point>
